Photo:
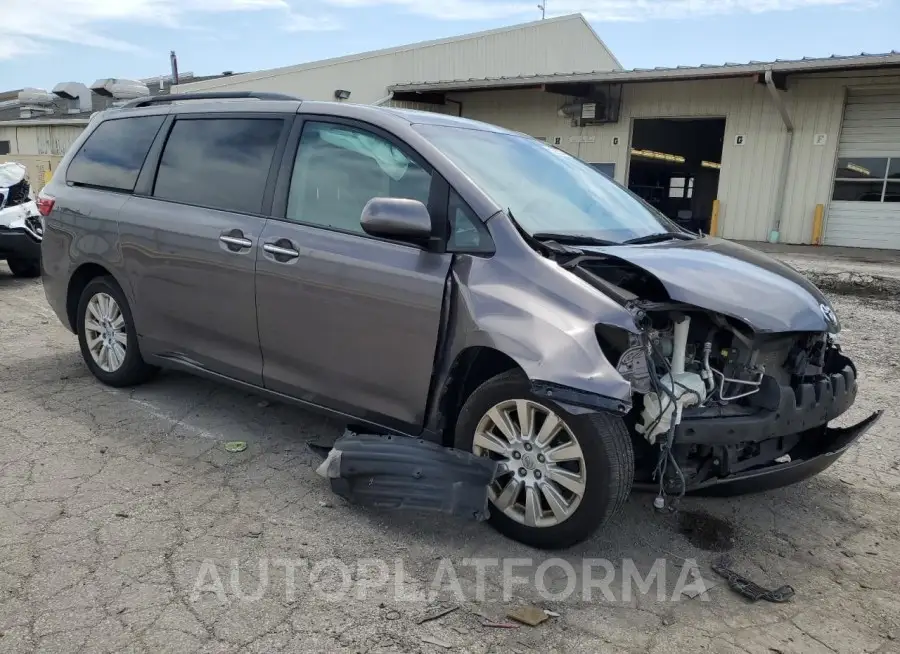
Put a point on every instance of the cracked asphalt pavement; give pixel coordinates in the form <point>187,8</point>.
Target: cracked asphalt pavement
<point>124,525</point>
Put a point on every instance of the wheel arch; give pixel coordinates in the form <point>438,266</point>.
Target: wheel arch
<point>79,280</point>
<point>470,369</point>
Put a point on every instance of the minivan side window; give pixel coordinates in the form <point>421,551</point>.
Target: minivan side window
<point>219,163</point>
<point>113,154</point>
<point>338,169</point>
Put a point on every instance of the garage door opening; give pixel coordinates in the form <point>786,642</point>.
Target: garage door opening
<point>675,166</point>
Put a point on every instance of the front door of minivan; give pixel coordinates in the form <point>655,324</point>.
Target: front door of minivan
<point>189,242</point>
<point>348,321</point>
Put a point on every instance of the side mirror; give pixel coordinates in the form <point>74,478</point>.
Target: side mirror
<point>396,218</point>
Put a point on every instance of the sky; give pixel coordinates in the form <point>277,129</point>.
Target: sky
<point>43,42</point>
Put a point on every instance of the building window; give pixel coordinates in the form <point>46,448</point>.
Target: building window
<point>608,169</point>
<point>867,179</point>
<point>4,147</point>
<point>681,187</point>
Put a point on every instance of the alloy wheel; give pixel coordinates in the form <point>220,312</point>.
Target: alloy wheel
<point>542,470</point>
<point>105,332</point>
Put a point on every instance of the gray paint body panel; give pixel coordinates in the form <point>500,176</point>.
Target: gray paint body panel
<point>83,230</point>
<point>196,297</point>
<point>537,313</point>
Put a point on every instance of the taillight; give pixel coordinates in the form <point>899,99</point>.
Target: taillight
<point>45,204</point>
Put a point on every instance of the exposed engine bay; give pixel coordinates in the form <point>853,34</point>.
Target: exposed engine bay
<point>712,397</point>
<point>690,366</point>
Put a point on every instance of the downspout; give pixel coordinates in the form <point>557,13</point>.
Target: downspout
<point>384,100</point>
<point>786,156</point>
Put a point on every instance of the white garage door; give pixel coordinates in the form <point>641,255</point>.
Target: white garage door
<point>865,207</point>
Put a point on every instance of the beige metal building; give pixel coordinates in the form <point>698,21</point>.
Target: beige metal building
<point>823,133</point>
<point>38,144</point>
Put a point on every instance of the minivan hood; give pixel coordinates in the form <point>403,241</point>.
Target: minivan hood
<point>734,280</point>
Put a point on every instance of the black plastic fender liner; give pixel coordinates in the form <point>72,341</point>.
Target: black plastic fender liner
<point>399,472</point>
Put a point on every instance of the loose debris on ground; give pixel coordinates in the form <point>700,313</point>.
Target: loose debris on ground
<point>749,589</point>
<point>530,615</point>
<point>440,613</point>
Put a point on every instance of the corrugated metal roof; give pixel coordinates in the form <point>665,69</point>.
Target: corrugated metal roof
<point>805,65</point>
<point>35,122</point>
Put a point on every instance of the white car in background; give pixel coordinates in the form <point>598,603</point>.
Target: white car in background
<point>21,230</point>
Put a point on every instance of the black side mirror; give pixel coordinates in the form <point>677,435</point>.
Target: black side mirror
<point>397,218</point>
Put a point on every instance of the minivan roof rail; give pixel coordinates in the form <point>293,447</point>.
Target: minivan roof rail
<point>209,95</point>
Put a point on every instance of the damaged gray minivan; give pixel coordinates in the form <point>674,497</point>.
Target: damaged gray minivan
<point>424,275</point>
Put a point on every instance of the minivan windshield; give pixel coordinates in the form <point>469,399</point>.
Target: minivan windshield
<point>551,194</point>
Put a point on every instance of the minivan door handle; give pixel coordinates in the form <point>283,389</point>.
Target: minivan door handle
<point>235,240</point>
<point>282,250</point>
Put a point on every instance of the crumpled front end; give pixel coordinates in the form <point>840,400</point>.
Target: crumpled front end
<point>21,229</point>
<point>762,421</point>
<point>721,406</point>
<point>723,363</point>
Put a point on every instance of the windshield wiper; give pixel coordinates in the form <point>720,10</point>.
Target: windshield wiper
<point>658,238</point>
<point>572,239</point>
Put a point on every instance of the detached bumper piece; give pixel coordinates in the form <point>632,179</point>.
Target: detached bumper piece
<point>749,589</point>
<point>398,472</point>
<point>815,451</point>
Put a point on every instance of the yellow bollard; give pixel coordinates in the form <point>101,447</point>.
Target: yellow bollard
<point>714,219</point>
<point>818,218</point>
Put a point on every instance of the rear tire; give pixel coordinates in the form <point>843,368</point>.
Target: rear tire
<point>605,464</point>
<point>25,268</point>
<point>107,335</point>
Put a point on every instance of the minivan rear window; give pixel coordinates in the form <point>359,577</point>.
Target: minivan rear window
<point>113,154</point>
<point>219,163</point>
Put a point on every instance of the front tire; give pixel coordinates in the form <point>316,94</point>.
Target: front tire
<point>107,335</point>
<point>563,476</point>
<point>25,268</point>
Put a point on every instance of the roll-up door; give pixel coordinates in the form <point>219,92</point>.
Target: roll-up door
<point>865,206</point>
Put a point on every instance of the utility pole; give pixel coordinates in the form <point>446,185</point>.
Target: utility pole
<point>543,8</point>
